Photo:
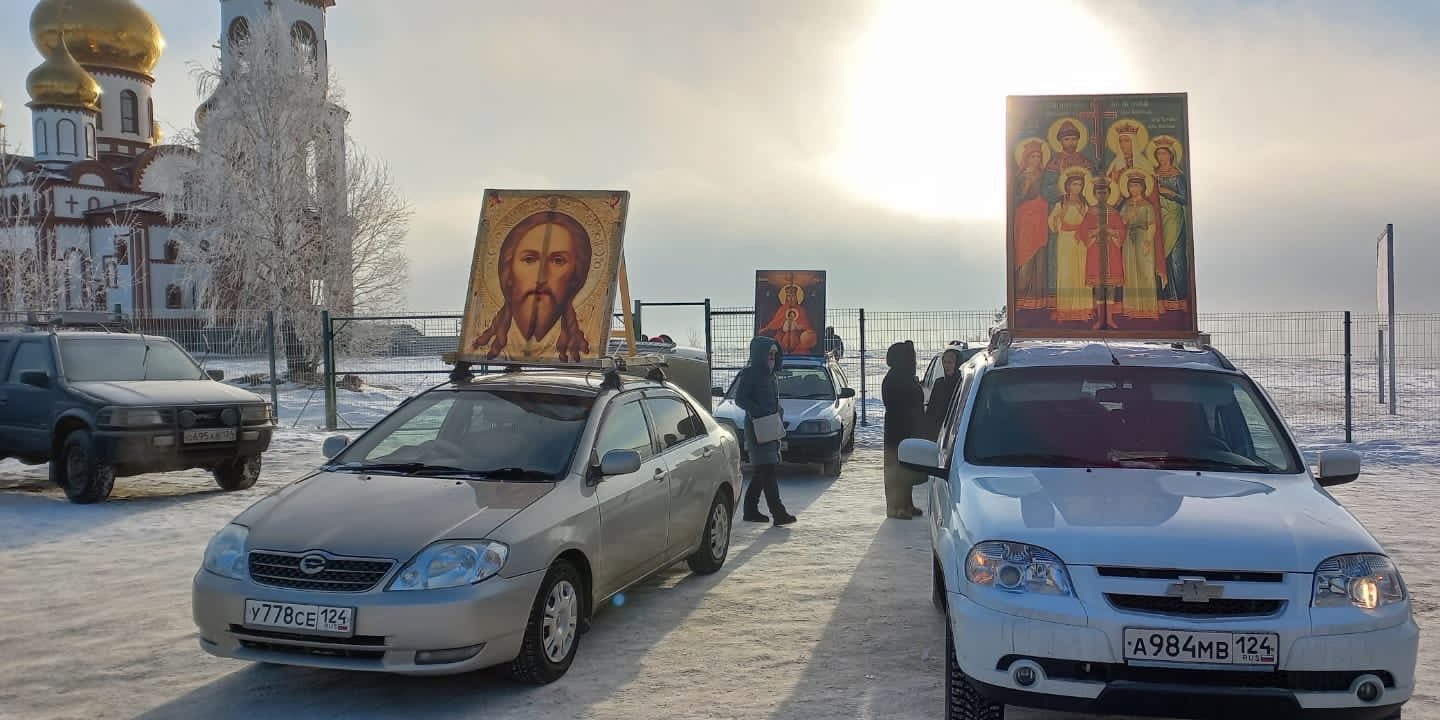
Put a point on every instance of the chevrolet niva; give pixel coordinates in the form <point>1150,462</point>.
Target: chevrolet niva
<point>1129,528</point>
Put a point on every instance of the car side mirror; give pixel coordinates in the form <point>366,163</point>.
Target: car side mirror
<point>1337,467</point>
<point>921,456</point>
<point>216,375</point>
<point>847,393</point>
<point>717,391</point>
<point>334,444</point>
<point>37,378</point>
<point>619,462</point>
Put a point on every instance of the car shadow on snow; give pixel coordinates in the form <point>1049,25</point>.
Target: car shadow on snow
<point>40,512</point>
<point>882,654</point>
<point>611,655</point>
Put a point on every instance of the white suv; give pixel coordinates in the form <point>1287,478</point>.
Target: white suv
<point>1129,529</point>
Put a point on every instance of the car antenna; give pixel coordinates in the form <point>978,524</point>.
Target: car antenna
<point>1113,360</point>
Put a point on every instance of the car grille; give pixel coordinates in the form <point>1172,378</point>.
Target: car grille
<point>1300,680</point>
<point>207,417</point>
<point>1220,607</point>
<point>339,575</point>
<point>1174,574</point>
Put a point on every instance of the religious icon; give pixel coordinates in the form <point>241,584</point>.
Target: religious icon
<point>543,280</point>
<point>790,307</point>
<point>1099,236</point>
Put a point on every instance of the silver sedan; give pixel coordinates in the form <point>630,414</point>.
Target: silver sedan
<point>479,524</point>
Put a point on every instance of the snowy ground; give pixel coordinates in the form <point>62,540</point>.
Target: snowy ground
<point>827,619</point>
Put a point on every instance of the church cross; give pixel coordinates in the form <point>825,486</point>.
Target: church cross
<point>72,203</point>
<point>1094,115</point>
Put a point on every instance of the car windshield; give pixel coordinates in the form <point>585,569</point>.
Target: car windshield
<point>126,359</point>
<point>1126,417</point>
<point>805,383</point>
<point>495,434</point>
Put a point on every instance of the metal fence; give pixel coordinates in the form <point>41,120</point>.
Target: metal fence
<point>1322,368</point>
<point>1326,370</point>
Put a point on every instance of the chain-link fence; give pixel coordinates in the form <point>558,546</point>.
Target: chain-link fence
<point>1299,358</point>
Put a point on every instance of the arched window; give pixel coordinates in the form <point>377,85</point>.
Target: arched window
<point>100,119</point>
<point>304,36</point>
<point>42,137</point>
<point>14,206</point>
<point>173,297</point>
<point>89,141</point>
<point>239,31</point>
<point>65,137</point>
<point>150,110</point>
<point>129,112</point>
<point>172,251</point>
<point>93,204</point>
<point>122,250</point>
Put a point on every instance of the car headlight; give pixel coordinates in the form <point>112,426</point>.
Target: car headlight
<point>256,413</point>
<point>133,417</point>
<point>817,427</point>
<point>1017,567</point>
<point>451,564</point>
<point>225,555</point>
<point>1366,580</point>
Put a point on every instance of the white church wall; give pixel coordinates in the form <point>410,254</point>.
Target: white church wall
<point>111,125</point>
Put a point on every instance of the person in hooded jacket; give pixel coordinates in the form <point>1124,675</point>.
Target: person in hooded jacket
<point>941,393</point>
<point>757,392</point>
<point>904,418</point>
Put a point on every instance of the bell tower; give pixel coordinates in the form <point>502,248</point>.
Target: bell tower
<point>305,18</point>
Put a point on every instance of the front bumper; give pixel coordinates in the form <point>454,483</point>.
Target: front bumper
<point>812,448</point>
<point>164,449</point>
<point>391,628</point>
<point>1079,665</point>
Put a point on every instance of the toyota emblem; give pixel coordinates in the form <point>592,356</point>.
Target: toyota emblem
<point>312,564</point>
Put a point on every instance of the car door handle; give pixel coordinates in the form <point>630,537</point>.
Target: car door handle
<point>708,451</point>
<point>659,473</point>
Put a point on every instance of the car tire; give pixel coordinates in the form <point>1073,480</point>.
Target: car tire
<point>552,634</point>
<point>962,700</point>
<point>937,585</point>
<point>714,539</point>
<point>832,467</point>
<point>849,446</point>
<point>238,474</point>
<point>83,479</point>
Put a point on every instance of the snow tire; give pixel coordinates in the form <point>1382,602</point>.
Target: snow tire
<point>533,665</point>
<point>83,479</point>
<point>714,538</point>
<point>962,700</point>
<point>832,467</point>
<point>849,446</point>
<point>238,474</point>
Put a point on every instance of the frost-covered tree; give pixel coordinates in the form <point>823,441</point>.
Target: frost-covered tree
<point>31,278</point>
<point>278,214</point>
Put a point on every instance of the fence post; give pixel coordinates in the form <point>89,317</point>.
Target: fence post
<point>709,341</point>
<point>1349,425</point>
<point>636,315</point>
<point>327,352</point>
<point>1380,362</point>
<point>1390,311</point>
<point>864,407</point>
<point>274,379</point>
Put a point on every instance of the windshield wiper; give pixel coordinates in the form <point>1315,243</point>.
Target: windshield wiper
<point>1043,460</point>
<point>515,473</point>
<point>1199,463</point>
<point>413,468</point>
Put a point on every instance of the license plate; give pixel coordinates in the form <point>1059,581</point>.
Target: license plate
<point>1213,648</point>
<point>309,618</point>
<point>210,436</point>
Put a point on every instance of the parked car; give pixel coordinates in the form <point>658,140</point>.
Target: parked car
<point>1131,530</point>
<point>98,405</point>
<point>481,523</point>
<point>819,408</point>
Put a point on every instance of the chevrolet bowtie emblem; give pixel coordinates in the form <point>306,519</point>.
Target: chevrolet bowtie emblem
<point>1194,590</point>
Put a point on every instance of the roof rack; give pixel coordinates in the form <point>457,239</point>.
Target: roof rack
<point>1002,340</point>
<point>107,322</point>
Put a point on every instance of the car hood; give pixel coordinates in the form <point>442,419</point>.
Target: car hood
<point>389,516</point>
<point>795,410</point>
<point>1165,519</point>
<point>166,392</point>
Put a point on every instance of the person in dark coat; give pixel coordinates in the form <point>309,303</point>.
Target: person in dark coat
<point>904,418</point>
<point>942,392</point>
<point>833,343</point>
<point>757,392</point>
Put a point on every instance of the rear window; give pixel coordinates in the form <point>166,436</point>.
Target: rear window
<point>1126,417</point>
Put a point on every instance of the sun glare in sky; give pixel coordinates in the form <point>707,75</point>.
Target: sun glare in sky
<point>924,134</point>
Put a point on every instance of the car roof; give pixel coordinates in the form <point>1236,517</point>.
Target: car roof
<point>809,360</point>
<point>1080,353</point>
<point>557,381</point>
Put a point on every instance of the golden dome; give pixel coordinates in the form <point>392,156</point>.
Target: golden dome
<point>61,81</point>
<point>104,33</point>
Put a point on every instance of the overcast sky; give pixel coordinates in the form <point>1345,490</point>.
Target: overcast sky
<point>865,137</point>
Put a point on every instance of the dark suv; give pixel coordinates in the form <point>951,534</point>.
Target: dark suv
<point>98,405</point>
